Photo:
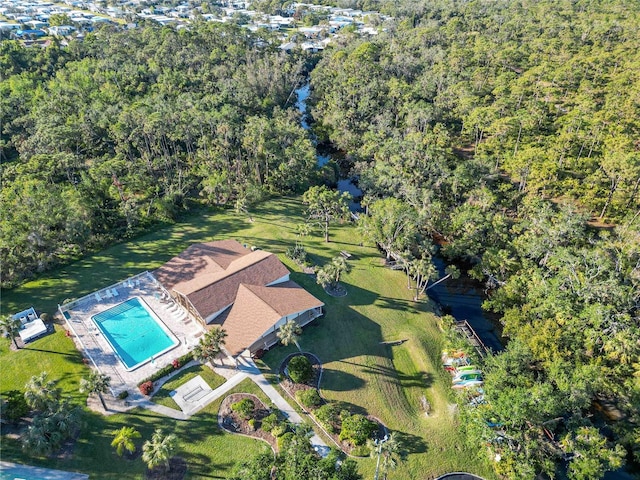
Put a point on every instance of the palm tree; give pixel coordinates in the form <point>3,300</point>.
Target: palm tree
<point>41,393</point>
<point>49,429</point>
<point>289,333</point>
<point>450,272</point>
<point>97,383</point>
<point>158,450</point>
<point>422,270</point>
<point>210,345</point>
<point>10,326</point>
<point>123,440</point>
<point>340,266</point>
<point>329,275</point>
<point>390,451</point>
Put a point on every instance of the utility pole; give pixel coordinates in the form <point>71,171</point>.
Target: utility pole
<point>378,444</point>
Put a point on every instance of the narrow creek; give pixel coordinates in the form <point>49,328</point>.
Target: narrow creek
<point>461,298</point>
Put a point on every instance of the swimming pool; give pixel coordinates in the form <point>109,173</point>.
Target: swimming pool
<point>135,332</point>
<point>14,471</point>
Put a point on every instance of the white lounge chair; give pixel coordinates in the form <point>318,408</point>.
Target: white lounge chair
<point>97,297</point>
<point>107,293</point>
<point>115,292</point>
<point>137,283</point>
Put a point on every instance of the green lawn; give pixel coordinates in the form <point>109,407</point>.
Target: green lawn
<point>387,382</point>
<point>163,396</point>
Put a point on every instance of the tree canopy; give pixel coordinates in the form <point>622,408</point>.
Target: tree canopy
<point>107,136</point>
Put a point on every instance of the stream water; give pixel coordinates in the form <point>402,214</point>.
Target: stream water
<point>344,183</point>
<point>462,298</point>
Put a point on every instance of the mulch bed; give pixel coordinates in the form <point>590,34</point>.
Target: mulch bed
<point>232,422</point>
<point>336,290</point>
<point>177,470</point>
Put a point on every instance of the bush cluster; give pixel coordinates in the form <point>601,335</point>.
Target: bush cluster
<point>14,406</point>
<point>280,429</point>
<point>309,398</point>
<point>356,429</point>
<point>146,387</point>
<point>284,440</point>
<point>297,253</point>
<point>270,422</point>
<point>329,416</point>
<point>300,369</point>
<point>163,372</point>
<point>244,408</point>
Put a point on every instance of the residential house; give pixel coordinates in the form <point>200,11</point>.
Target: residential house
<point>248,293</point>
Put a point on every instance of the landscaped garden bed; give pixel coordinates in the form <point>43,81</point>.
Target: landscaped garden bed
<point>349,431</point>
<point>243,413</point>
<point>313,382</point>
<point>177,470</point>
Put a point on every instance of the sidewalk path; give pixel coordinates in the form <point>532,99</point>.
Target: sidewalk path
<point>245,369</point>
<point>247,366</point>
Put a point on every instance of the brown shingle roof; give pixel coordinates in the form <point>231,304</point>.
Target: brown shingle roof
<point>215,275</point>
<point>257,309</point>
<point>198,260</point>
<point>209,274</point>
<point>211,293</point>
<point>247,320</point>
<point>286,298</point>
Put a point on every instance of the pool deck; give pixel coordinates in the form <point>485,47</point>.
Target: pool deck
<point>90,340</point>
<point>27,472</point>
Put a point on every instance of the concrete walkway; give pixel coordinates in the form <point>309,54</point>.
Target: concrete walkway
<point>247,366</point>
<point>234,375</point>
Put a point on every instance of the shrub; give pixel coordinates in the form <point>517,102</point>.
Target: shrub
<point>360,451</point>
<point>309,398</point>
<point>300,369</point>
<point>123,394</point>
<point>329,416</point>
<point>280,429</point>
<point>270,422</point>
<point>252,423</point>
<point>14,406</point>
<point>176,363</point>
<point>284,440</point>
<point>244,408</point>
<point>297,253</point>
<point>146,387</point>
<point>357,429</point>
<point>163,372</point>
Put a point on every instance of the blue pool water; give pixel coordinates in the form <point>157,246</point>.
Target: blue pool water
<point>135,334</point>
<point>14,471</point>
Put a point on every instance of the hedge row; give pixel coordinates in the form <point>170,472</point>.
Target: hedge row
<point>164,371</point>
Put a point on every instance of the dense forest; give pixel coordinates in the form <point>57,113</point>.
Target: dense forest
<point>506,131</point>
<point>106,137</point>
<point>509,131</point>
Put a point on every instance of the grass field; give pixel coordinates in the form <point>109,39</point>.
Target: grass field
<point>163,397</point>
<point>385,381</point>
